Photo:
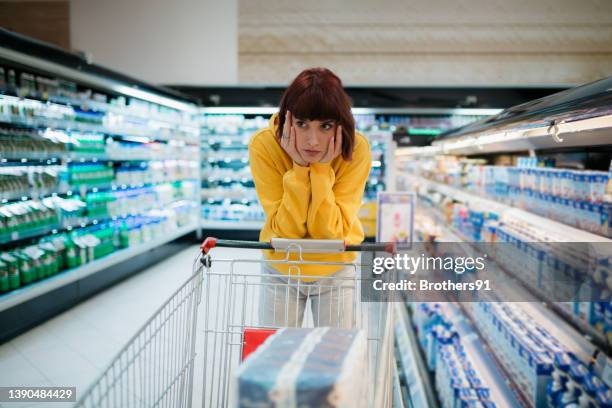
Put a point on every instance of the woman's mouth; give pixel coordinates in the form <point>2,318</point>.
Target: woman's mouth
<point>312,152</point>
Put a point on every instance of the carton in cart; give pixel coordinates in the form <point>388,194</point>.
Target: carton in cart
<point>300,367</point>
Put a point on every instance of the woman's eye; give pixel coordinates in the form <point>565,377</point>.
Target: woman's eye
<point>300,123</point>
<point>327,126</point>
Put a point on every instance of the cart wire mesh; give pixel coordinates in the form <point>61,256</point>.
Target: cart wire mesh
<point>155,368</point>
<point>252,282</point>
<point>174,360</point>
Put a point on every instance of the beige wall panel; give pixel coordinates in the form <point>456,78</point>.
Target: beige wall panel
<point>396,39</point>
<point>429,70</point>
<point>408,42</point>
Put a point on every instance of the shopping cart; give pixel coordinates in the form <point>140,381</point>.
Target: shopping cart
<point>175,360</point>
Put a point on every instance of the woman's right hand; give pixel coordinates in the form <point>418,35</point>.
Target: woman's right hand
<point>288,141</point>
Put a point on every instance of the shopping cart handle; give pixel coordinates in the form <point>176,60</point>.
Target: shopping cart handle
<point>208,244</point>
<point>211,242</point>
<point>303,245</point>
<point>389,247</point>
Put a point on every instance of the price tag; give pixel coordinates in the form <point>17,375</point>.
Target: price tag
<point>395,219</point>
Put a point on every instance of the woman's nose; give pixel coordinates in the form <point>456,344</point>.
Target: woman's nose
<point>312,140</point>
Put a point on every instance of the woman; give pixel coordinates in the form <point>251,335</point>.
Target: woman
<point>310,168</point>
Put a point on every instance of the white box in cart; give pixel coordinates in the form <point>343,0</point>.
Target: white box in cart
<point>296,367</point>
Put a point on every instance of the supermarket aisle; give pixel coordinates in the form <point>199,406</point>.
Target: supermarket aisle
<point>74,347</point>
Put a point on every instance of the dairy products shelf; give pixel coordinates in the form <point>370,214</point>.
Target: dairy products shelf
<point>505,365</point>
<point>576,333</point>
<point>579,198</point>
<point>463,371</point>
<point>411,362</point>
<point>583,345</point>
<point>554,350</point>
<point>556,229</point>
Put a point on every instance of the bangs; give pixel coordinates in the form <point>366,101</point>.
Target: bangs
<point>315,104</point>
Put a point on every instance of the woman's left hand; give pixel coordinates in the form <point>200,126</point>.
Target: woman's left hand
<point>334,148</point>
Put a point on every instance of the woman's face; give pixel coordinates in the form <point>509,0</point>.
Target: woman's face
<point>312,137</point>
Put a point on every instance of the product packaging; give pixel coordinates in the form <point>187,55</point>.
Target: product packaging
<point>306,368</point>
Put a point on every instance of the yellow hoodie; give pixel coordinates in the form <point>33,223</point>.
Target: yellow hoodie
<point>317,202</point>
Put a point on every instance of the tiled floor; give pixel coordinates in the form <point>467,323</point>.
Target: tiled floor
<point>73,348</point>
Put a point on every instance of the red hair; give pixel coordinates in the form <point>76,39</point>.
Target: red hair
<point>317,94</point>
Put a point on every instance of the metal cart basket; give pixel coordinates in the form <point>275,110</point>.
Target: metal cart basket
<point>178,360</point>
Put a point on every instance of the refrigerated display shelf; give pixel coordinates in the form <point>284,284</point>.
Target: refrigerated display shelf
<point>412,362</point>
<point>227,179</point>
<point>111,117</point>
<point>16,237</point>
<point>565,333</point>
<point>570,234</point>
<point>573,343</point>
<point>30,194</point>
<point>214,144</point>
<point>576,118</point>
<point>8,159</point>
<point>568,135</point>
<point>576,334</point>
<point>231,225</point>
<point>502,390</point>
<point>579,328</point>
<point>37,195</point>
<point>86,104</point>
<point>122,187</point>
<point>398,394</point>
<point>37,123</point>
<point>18,160</point>
<point>34,290</point>
<point>96,106</point>
<point>81,190</point>
<point>489,352</point>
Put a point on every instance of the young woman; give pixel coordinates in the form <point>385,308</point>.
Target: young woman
<point>310,168</point>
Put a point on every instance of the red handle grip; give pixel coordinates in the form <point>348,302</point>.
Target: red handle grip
<point>208,244</point>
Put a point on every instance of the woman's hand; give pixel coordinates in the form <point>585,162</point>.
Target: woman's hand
<point>288,141</point>
<point>334,148</point>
